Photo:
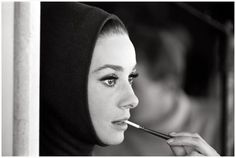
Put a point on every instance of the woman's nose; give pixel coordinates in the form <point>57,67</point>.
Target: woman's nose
<point>129,99</point>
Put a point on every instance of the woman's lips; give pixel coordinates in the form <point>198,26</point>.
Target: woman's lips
<point>120,124</point>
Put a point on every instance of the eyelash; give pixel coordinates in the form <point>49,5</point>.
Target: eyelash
<point>132,76</point>
<point>113,79</point>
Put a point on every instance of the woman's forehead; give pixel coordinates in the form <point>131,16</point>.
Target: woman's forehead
<point>114,50</point>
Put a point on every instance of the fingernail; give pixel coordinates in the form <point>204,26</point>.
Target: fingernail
<point>170,140</point>
<point>172,133</point>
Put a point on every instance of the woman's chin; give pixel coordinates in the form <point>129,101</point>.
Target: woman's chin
<point>114,140</point>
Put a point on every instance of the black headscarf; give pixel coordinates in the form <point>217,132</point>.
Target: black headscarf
<point>68,35</point>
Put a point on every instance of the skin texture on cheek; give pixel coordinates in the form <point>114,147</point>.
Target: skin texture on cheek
<point>103,113</point>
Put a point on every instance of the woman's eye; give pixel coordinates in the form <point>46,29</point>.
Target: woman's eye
<point>132,76</point>
<point>131,80</point>
<point>109,80</point>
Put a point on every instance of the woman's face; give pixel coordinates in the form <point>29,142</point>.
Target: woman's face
<point>110,92</point>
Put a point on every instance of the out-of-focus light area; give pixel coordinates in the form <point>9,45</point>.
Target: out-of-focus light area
<point>185,56</point>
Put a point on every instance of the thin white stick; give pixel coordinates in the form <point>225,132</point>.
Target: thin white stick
<point>132,124</point>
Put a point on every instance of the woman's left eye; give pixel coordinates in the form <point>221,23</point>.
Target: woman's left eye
<point>132,76</point>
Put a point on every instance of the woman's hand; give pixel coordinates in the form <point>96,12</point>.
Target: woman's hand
<point>189,144</point>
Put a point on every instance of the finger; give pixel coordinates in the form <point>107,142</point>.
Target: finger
<point>184,134</point>
<point>191,151</point>
<point>193,142</point>
<point>195,153</point>
<point>178,150</point>
<point>197,143</point>
<point>188,149</point>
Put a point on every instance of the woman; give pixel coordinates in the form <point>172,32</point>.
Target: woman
<point>87,69</point>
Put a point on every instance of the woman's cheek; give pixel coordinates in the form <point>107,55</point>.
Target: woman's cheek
<point>109,113</point>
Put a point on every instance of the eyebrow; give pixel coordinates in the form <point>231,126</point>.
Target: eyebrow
<point>114,67</point>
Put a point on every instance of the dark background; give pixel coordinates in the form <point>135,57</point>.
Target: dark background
<point>202,61</point>
<point>208,62</point>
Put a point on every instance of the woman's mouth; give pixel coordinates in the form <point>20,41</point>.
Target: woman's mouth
<point>120,124</point>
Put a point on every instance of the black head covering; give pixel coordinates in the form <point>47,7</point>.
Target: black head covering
<point>68,35</point>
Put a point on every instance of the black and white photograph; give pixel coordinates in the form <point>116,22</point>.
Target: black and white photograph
<point>117,78</point>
